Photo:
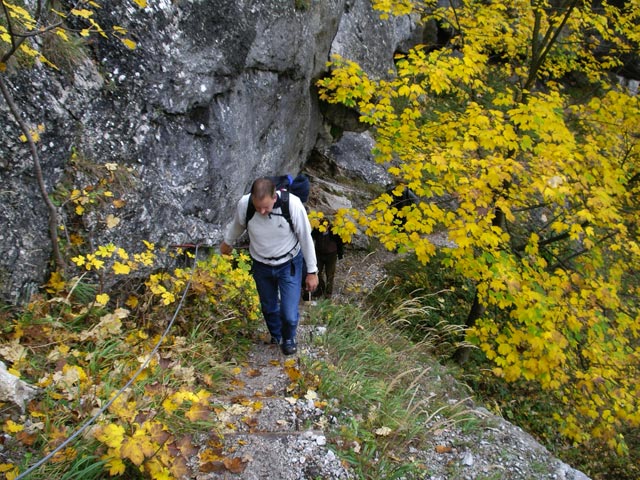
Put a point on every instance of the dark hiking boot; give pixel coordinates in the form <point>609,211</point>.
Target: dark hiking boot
<point>276,341</point>
<point>289,347</point>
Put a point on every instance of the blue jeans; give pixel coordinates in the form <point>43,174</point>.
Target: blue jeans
<point>279,290</point>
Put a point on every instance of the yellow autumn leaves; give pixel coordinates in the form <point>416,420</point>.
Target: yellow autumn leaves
<point>92,351</point>
<point>24,24</point>
<point>536,193</point>
<point>114,258</point>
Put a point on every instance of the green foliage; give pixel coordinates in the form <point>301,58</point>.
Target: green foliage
<point>444,294</point>
<point>84,468</point>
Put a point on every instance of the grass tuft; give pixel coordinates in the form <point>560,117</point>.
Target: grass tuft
<point>390,391</point>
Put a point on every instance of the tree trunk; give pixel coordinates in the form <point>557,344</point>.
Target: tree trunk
<point>461,355</point>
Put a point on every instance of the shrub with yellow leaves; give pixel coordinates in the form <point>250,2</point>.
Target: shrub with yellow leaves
<point>535,190</point>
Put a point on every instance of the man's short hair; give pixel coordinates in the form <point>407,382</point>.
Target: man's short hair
<point>262,188</point>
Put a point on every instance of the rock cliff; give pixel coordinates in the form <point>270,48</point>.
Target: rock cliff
<point>215,94</point>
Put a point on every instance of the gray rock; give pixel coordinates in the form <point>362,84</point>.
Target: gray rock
<point>353,153</point>
<point>215,94</point>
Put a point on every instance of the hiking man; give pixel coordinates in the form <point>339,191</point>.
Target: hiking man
<point>278,244</point>
<point>329,249</point>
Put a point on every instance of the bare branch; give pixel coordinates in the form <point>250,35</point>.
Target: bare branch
<point>53,213</point>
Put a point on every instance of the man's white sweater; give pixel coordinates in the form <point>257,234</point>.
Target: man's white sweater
<point>270,236</point>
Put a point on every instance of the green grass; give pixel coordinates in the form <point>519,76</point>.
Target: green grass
<point>391,392</point>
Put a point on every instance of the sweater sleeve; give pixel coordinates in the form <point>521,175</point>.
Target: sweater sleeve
<point>237,226</point>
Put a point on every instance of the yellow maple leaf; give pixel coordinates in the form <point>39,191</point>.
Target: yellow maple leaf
<point>131,449</point>
<point>5,467</point>
<point>55,283</point>
<point>115,465</point>
<point>293,373</point>
<point>140,3</point>
<point>12,427</point>
<point>79,260</point>
<point>83,12</point>
<point>130,44</point>
<point>198,412</point>
<point>132,301</point>
<point>102,299</point>
<point>121,268</point>
<point>76,239</point>
<point>111,435</point>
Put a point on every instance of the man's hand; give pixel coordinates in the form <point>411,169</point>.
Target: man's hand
<point>225,248</point>
<point>311,282</point>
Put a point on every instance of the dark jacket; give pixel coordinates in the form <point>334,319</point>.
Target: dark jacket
<point>327,242</point>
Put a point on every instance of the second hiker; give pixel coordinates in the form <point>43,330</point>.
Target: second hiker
<point>329,249</point>
<point>278,244</point>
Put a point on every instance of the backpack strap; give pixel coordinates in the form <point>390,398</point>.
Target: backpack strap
<point>251,209</point>
<point>284,206</point>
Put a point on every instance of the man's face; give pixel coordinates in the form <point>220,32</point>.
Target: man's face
<point>264,205</point>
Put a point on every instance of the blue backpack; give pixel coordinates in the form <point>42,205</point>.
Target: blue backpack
<point>285,184</point>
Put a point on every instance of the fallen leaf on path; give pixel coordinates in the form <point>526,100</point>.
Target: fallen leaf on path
<point>252,422</point>
<point>383,431</point>
<point>210,467</point>
<point>186,446</point>
<point>443,449</point>
<point>235,465</point>
<point>179,468</point>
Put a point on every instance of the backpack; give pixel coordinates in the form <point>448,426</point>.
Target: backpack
<point>299,186</point>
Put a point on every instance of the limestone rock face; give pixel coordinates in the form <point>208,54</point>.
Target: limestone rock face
<point>215,94</point>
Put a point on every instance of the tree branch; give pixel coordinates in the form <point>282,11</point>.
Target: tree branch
<point>546,44</point>
<point>53,213</point>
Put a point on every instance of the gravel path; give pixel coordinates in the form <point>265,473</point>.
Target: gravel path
<point>270,434</point>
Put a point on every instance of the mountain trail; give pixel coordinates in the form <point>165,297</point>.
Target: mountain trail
<point>271,431</point>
